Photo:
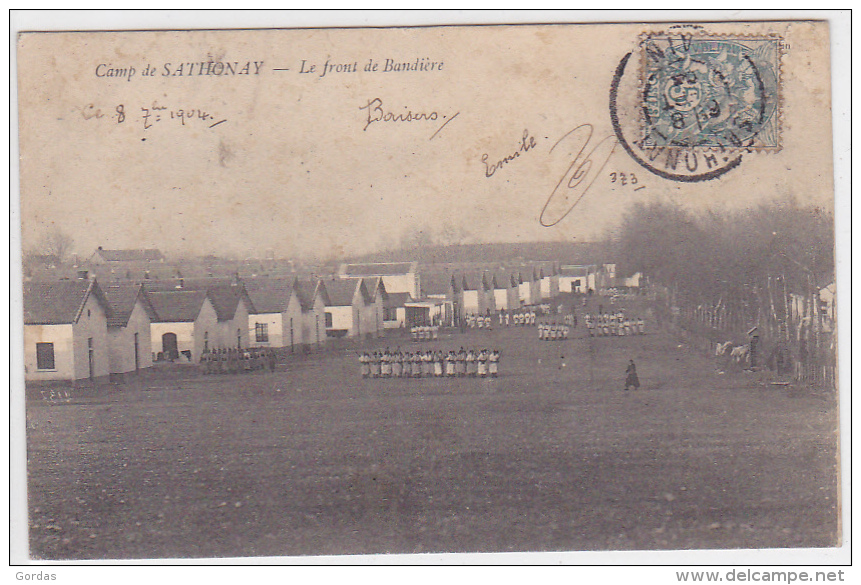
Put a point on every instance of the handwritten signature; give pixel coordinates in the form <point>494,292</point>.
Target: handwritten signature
<point>581,173</point>
<point>527,143</point>
<point>376,113</point>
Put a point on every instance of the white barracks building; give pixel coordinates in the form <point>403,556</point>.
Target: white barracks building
<point>398,277</point>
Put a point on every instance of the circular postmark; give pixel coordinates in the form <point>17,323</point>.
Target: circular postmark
<point>704,93</point>
<point>696,104</point>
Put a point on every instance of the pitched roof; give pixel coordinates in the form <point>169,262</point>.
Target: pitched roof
<point>378,269</point>
<point>503,280</point>
<point>149,255</point>
<point>308,291</point>
<point>269,295</point>
<point>487,281</point>
<point>575,271</point>
<point>59,302</point>
<point>341,292</point>
<point>436,282</point>
<point>375,286</point>
<point>398,299</point>
<point>177,305</point>
<point>122,299</point>
<point>224,293</point>
<point>548,268</point>
<point>225,299</point>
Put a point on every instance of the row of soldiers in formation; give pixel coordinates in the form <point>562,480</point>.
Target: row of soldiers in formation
<point>553,332</point>
<point>474,321</point>
<point>430,364</point>
<point>607,324</point>
<point>237,360</point>
<point>424,332</point>
<point>520,317</point>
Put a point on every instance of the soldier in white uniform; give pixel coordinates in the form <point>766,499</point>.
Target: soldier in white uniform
<point>397,364</point>
<point>470,363</point>
<point>481,358</point>
<point>493,363</point>
<point>438,364</point>
<point>365,362</point>
<point>450,361</point>
<point>379,363</point>
<point>416,362</point>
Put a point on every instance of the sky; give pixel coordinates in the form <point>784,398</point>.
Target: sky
<point>304,163</point>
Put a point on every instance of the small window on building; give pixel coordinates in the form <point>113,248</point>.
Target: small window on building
<point>261,331</point>
<point>45,356</point>
<point>329,320</point>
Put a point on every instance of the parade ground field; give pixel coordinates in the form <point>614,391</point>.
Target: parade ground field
<point>553,455</point>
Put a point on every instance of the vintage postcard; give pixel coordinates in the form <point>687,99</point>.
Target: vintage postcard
<point>442,289</point>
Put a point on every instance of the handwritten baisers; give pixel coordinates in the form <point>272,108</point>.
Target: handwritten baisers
<point>377,112</point>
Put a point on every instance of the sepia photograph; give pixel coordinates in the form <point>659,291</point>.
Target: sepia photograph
<point>302,291</point>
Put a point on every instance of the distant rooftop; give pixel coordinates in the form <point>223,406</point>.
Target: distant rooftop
<point>377,269</point>
<point>147,255</point>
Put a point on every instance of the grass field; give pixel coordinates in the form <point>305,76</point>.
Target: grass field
<point>315,460</point>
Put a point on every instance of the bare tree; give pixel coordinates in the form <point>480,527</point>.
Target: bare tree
<point>417,238</point>
<point>451,235</point>
<point>56,242</point>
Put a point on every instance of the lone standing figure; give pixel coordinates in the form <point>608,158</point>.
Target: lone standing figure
<point>631,378</point>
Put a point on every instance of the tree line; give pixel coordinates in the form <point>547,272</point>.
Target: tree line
<point>725,271</point>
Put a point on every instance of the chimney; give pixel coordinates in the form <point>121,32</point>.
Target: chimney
<point>83,275</point>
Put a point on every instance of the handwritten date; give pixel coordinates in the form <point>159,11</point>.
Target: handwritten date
<point>152,115</point>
